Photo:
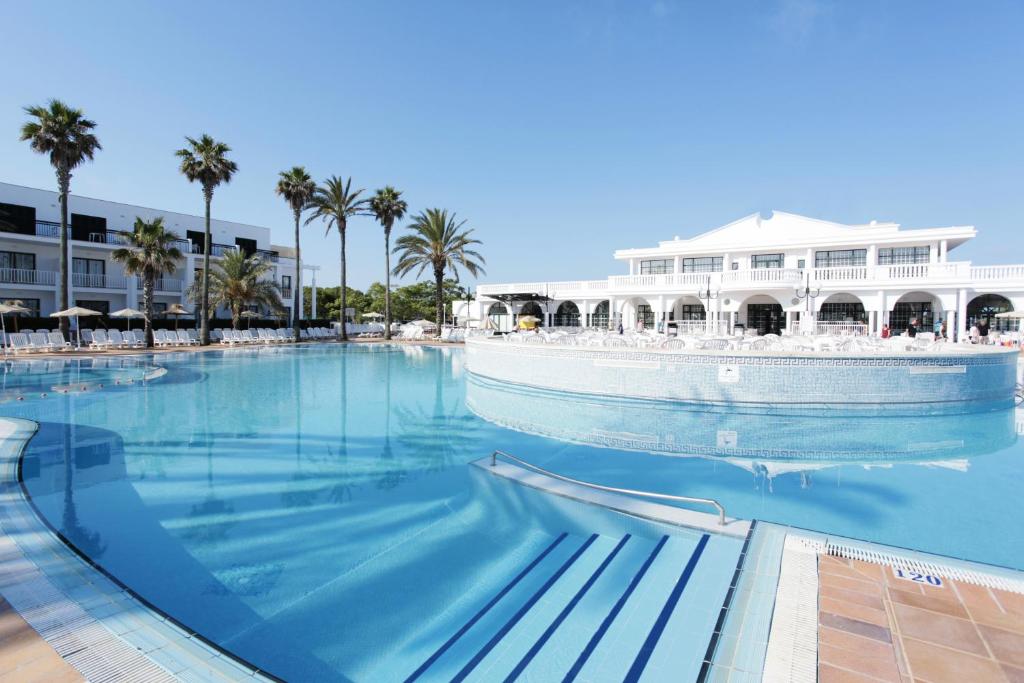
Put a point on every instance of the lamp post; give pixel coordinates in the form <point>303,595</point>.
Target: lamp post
<point>707,296</point>
<point>808,294</point>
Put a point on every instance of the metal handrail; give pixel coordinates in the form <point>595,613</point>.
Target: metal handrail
<point>612,489</point>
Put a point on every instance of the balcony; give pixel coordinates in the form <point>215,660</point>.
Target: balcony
<point>267,255</point>
<point>167,285</point>
<point>287,294</point>
<point>20,276</point>
<point>113,237</point>
<point>98,281</point>
<point>215,249</point>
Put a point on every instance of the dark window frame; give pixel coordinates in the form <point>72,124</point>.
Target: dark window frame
<point>703,264</point>
<point>763,261</point>
<point>664,267</point>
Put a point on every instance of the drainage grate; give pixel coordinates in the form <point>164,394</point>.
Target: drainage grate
<point>978,578</point>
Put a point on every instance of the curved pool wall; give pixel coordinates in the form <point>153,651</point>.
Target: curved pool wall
<point>741,434</point>
<point>947,382</point>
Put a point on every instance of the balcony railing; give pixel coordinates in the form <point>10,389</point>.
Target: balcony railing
<point>110,237</point>
<point>266,255</point>
<point>779,276</point>
<point>215,249</point>
<point>98,281</point>
<point>167,285</point>
<point>287,294</point>
<point>21,276</point>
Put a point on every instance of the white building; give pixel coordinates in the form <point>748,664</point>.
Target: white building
<point>756,272</point>
<point>30,252</point>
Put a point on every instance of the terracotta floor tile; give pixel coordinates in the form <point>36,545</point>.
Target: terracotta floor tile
<point>931,627</point>
<point>831,674</point>
<point>1013,674</point>
<point>935,603</point>
<point>853,611</point>
<point>882,668</point>
<point>846,583</point>
<point>1011,602</point>
<point>993,616</point>
<point>861,628</point>
<point>936,664</point>
<point>868,647</point>
<point>976,596</point>
<point>856,597</point>
<point>1006,646</point>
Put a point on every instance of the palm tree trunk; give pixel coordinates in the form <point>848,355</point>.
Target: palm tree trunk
<point>297,305</point>
<point>439,297</point>
<point>387,282</point>
<point>344,284</point>
<point>204,326</point>
<point>147,305</point>
<point>64,184</point>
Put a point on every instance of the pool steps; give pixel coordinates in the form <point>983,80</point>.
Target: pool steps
<point>595,608</point>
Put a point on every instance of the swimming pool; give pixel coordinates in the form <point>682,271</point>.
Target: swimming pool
<point>311,509</point>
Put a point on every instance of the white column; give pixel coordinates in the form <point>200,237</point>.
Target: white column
<point>961,315</point>
<point>611,313</point>
<point>677,264</point>
<point>190,272</point>
<point>789,322</point>
<point>131,297</point>
<point>313,297</point>
<point>943,250</point>
<point>933,254</point>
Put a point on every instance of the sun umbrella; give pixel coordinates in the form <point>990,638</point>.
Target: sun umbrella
<point>373,315</point>
<point>76,312</point>
<point>1012,315</point>
<point>4,310</point>
<point>176,310</point>
<point>249,315</point>
<point>128,313</point>
<point>528,322</point>
<point>423,323</point>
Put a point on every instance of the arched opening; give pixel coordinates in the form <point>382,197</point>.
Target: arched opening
<point>842,308</point>
<point>764,314</point>
<point>499,317</point>
<point>599,318</point>
<point>534,309</point>
<point>919,306</point>
<point>567,315</point>
<point>985,307</point>
<point>637,312</point>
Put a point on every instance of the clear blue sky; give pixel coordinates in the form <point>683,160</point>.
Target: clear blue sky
<point>560,130</point>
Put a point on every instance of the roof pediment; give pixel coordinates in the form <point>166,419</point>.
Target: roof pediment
<point>779,229</point>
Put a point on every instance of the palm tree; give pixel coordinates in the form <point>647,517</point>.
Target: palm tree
<point>437,242</point>
<point>205,160</point>
<point>151,253</point>
<point>66,135</point>
<point>239,280</point>
<point>297,188</point>
<point>334,202</point>
<point>388,206</point>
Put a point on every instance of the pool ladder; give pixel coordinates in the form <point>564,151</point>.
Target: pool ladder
<point>630,492</point>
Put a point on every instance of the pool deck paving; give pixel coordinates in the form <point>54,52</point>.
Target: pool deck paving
<point>874,626</point>
<point>25,656</point>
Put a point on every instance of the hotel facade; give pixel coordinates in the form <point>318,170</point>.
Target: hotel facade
<point>783,274</point>
<point>30,253</point>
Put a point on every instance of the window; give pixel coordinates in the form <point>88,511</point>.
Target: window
<point>645,314</point>
<point>17,260</point>
<point>705,264</point>
<point>841,257</point>
<point>599,318</point>
<point>901,255</point>
<point>838,312</point>
<point>88,266</point>
<point>247,246</point>
<point>159,307</point>
<point>83,227</point>
<point>766,260</point>
<point>17,218</point>
<point>735,265</point>
<point>905,311</point>
<point>656,267</point>
<point>198,239</point>
<point>692,312</point>
<point>801,263</point>
<point>101,306</point>
<point>286,282</point>
<point>567,315</point>
<point>31,304</point>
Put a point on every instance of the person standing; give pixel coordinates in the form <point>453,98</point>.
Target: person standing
<point>912,328</point>
<point>983,331</point>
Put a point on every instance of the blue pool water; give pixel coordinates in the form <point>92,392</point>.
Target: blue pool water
<point>312,509</point>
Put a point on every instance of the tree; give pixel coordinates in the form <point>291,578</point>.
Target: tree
<point>239,280</point>
<point>151,253</point>
<point>334,202</point>
<point>66,135</point>
<point>205,161</point>
<point>297,188</point>
<point>437,242</point>
<point>388,206</point>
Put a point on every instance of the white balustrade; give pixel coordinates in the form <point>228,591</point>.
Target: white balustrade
<point>23,276</point>
<point>997,272</point>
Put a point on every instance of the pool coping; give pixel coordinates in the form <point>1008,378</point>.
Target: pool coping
<point>98,625</point>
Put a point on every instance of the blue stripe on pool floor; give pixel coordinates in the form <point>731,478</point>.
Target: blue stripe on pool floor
<point>637,669</point>
<point>528,657</point>
<point>479,656</point>
<point>603,628</point>
<point>486,608</point>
